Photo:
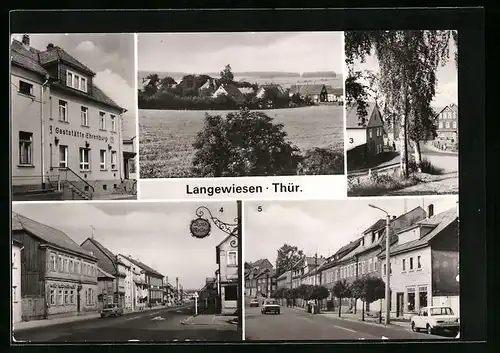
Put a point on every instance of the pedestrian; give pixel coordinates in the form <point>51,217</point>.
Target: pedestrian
<point>394,146</point>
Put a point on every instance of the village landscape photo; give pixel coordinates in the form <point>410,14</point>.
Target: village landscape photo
<point>73,117</point>
<point>240,104</point>
<point>126,272</point>
<point>317,270</point>
<point>402,112</point>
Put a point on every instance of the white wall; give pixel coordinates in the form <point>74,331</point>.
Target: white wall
<point>16,285</point>
<point>355,137</point>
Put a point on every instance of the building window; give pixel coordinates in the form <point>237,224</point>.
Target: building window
<point>440,124</point>
<point>113,123</point>
<point>71,266</point>
<point>63,111</point>
<point>232,259</point>
<point>76,81</point>
<point>102,120</point>
<point>72,297</point>
<point>66,269</point>
<point>61,265</point>
<point>66,296</point>
<point>419,264</point>
<point>83,84</point>
<point>25,88</point>
<point>61,298</point>
<point>25,148</point>
<point>370,133</point>
<point>404,264</point>
<point>411,263</point>
<point>63,156</point>
<point>411,299</point>
<point>84,114</point>
<point>77,267</point>
<point>69,79</point>
<point>447,124</point>
<point>454,124</point>
<point>84,159</point>
<point>102,158</point>
<point>52,297</point>
<point>53,263</point>
<point>113,160</point>
<point>422,296</point>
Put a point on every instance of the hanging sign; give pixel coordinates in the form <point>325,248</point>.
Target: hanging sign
<point>200,228</point>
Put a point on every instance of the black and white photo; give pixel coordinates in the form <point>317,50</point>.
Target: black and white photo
<point>73,117</point>
<point>240,104</point>
<point>126,272</point>
<point>402,112</point>
<point>317,270</point>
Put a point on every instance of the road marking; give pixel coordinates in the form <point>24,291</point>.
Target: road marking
<point>158,318</point>
<point>384,338</point>
<point>361,338</point>
<point>343,328</point>
<point>133,340</point>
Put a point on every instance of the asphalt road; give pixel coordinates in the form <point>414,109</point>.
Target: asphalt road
<point>157,325</point>
<point>296,324</point>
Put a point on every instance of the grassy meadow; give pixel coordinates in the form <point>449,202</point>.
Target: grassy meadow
<point>166,136</point>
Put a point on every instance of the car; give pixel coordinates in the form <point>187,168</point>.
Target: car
<point>270,306</point>
<point>254,302</point>
<point>111,310</point>
<point>434,319</point>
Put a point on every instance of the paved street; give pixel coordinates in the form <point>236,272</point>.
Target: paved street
<point>448,161</point>
<point>296,324</point>
<point>156,325</point>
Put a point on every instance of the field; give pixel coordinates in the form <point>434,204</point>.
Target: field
<point>166,136</point>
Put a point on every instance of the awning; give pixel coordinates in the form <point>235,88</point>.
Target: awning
<point>129,155</point>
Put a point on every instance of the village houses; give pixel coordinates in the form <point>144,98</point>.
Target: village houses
<point>227,275</point>
<point>58,277</point>
<point>260,279</point>
<point>153,281</point>
<point>105,288</point>
<point>447,125</point>
<point>17,309</point>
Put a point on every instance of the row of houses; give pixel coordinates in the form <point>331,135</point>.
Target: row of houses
<point>54,276</point>
<point>423,269</point>
<point>369,137</point>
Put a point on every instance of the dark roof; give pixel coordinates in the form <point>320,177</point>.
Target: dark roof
<point>50,235</point>
<point>438,222</point>
<point>103,274</point>
<point>273,87</point>
<point>232,90</point>
<point>17,242</point>
<point>376,226</point>
<point>27,59</point>
<point>57,53</point>
<point>103,249</point>
<point>453,107</point>
<point>143,266</point>
<point>352,119</point>
<point>307,90</point>
<point>96,94</point>
<point>260,262</point>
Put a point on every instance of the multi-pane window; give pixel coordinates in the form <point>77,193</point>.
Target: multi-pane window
<point>454,124</point>
<point>102,159</point>
<point>113,160</point>
<point>72,297</point>
<point>61,264</point>
<point>440,124</point>
<point>77,267</point>
<point>411,299</point>
<point>370,133</point>
<point>232,258</point>
<point>53,263</point>
<point>52,298</point>
<point>63,156</point>
<point>66,296</point>
<point>419,264</point>
<point>71,266</point>
<point>25,148</point>
<point>76,81</point>
<point>404,264</point>
<point>113,123</point>
<point>63,110</point>
<point>84,114</point>
<point>25,88</point>
<point>447,124</point>
<point>83,84</point>
<point>84,158</point>
<point>102,120</point>
<point>411,263</point>
<point>60,300</point>
<point>66,265</point>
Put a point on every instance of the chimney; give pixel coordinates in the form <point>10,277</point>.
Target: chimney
<point>26,41</point>
<point>393,218</point>
<point>50,46</point>
<point>430,210</point>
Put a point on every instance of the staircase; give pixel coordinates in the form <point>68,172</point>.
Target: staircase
<point>70,184</point>
<point>75,191</point>
<point>31,188</point>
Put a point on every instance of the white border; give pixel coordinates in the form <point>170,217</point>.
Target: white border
<point>345,74</point>
<point>136,98</point>
<point>242,280</point>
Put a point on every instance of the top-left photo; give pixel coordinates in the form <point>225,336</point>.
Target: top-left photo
<point>73,117</point>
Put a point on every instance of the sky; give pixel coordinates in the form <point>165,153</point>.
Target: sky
<point>319,225</point>
<point>244,51</point>
<point>447,78</point>
<point>110,56</point>
<point>156,233</point>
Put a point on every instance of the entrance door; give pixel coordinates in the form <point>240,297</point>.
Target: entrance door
<point>399,304</point>
<point>78,300</point>
<point>125,168</point>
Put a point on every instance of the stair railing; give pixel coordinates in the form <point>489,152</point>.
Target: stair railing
<point>67,170</point>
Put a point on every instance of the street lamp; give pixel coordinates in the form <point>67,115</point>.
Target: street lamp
<point>387,265</point>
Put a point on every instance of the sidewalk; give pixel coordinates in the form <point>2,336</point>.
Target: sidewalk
<point>368,319</point>
<point>211,319</point>
<point>26,325</point>
<point>435,149</point>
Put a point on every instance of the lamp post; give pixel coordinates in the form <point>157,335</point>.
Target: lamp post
<point>387,266</point>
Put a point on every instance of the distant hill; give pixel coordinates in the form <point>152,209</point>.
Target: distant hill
<point>249,74</point>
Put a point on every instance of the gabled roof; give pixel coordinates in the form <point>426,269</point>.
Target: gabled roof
<point>260,262</point>
<point>57,53</point>
<point>272,86</point>
<point>232,90</point>
<point>453,107</point>
<point>352,118</point>
<point>145,267</point>
<point>27,59</point>
<point>307,90</point>
<point>438,222</point>
<point>103,274</point>
<point>376,226</point>
<point>102,249</point>
<point>50,235</point>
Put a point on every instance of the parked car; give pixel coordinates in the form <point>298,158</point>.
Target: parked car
<point>270,306</point>
<point>434,319</point>
<point>111,310</point>
<point>254,302</point>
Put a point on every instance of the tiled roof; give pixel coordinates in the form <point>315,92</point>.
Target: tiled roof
<point>27,59</point>
<point>352,120</point>
<point>104,250</point>
<point>49,234</point>
<point>96,94</point>
<point>272,86</point>
<point>57,53</point>
<point>307,90</point>
<point>376,226</point>
<point>232,90</point>
<point>439,221</point>
<point>102,273</point>
<point>143,266</point>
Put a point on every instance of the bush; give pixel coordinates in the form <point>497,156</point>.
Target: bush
<point>245,143</point>
<point>323,161</point>
<point>425,167</point>
<point>378,184</point>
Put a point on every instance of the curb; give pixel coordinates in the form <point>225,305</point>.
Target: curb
<point>372,323</point>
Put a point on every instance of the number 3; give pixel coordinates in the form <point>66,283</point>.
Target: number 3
<point>351,140</point>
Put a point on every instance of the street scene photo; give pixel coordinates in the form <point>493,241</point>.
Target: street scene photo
<point>240,104</point>
<point>73,115</point>
<point>401,112</point>
<point>125,272</point>
<point>318,270</point>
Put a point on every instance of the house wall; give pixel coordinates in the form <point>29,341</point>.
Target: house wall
<point>447,124</point>
<point>228,273</point>
<point>126,284</point>
<point>155,288</point>
<point>104,291</point>
<point>16,284</point>
<point>416,280</point>
<point>26,113</point>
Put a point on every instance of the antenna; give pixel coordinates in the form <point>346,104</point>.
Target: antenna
<point>93,229</point>
<point>405,205</point>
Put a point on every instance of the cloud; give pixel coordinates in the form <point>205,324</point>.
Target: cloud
<point>116,87</point>
<point>86,46</point>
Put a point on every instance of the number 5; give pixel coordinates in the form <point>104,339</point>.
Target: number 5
<point>259,209</point>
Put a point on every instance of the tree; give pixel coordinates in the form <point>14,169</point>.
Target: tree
<point>408,62</point>
<point>245,143</point>
<point>323,161</point>
<point>358,292</point>
<point>226,75</point>
<point>341,289</point>
<point>374,289</point>
<point>152,87</point>
<point>287,257</point>
<point>319,293</point>
<point>167,82</point>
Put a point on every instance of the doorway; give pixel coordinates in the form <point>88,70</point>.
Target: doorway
<point>399,304</point>
<point>126,172</point>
